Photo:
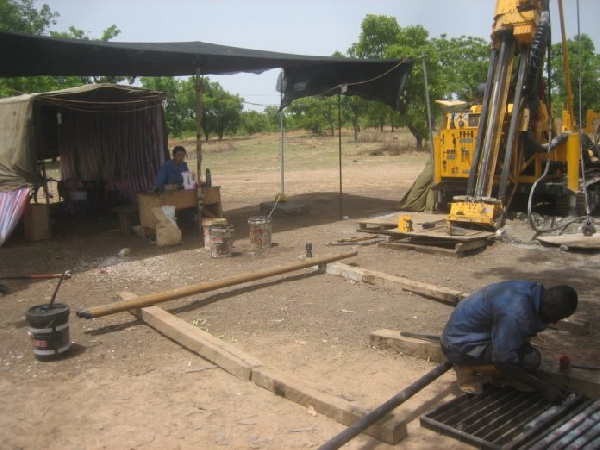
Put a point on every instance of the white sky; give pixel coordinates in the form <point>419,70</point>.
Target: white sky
<point>306,27</point>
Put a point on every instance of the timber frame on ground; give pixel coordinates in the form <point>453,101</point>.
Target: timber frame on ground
<point>393,427</point>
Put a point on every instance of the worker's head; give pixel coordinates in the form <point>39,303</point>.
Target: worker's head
<point>179,154</point>
<point>558,302</point>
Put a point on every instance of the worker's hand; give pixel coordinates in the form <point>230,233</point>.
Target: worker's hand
<point>553,394</point>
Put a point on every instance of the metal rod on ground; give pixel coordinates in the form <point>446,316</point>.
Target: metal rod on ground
<point>385,408</point>
<point>44,276</point>
<point>152,299</point>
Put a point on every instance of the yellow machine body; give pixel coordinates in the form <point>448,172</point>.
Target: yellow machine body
<point>477,212</point>
<point>485,172</point>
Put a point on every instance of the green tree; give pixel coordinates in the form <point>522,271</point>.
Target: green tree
<point>253,122</point>
<point>316,114</point>
<point>463,64</point>
<point>21,16</point>
<point>355,107</point>
<point>222,110</point>
<point>590,75</point>
<point>377,34</point>
<point>274,118</point>
<point>382,37</point>
<point>178,100</point>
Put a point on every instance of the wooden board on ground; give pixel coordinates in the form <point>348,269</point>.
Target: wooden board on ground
<point>573,241</point>
<point>458,249</point>
<point>390,429</point>
<point>390,221</point>
<point>435,240</point>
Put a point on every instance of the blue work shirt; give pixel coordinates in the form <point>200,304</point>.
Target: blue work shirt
<point>171,174</point>
<point>505,314</point>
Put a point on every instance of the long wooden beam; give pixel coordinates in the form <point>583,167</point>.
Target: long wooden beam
<point>153,299</point>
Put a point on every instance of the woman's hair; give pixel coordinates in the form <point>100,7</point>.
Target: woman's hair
<point>178,148</point>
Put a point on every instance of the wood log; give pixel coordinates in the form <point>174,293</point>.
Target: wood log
<point>153,299</point>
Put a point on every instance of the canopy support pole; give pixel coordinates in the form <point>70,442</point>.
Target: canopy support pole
<point>282,197</point>
<point>340,199</point>
<point>199,112</point>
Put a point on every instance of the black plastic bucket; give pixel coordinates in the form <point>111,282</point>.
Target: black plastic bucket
<point>49,330</point>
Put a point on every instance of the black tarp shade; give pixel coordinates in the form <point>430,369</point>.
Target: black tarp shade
<point>28,55</point>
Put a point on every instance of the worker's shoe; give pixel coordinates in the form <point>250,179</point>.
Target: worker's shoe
<point>469,381</point>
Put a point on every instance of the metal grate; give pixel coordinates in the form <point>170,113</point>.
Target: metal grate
<point>504,418</point>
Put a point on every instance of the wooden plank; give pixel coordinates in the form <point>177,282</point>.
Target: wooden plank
<point>393,340</point>
<point>391,429</point>
<point>204,344</point>
<point>574,325</point>
<point>440,293</point>
<point>429,249</point>
<point>226,356</point>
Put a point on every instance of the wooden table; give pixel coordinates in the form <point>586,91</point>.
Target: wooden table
<point>180,199</point>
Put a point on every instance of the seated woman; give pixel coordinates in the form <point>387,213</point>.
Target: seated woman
<point>170,172</point>
<point>170,175</point>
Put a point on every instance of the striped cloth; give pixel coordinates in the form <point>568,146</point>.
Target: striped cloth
<point>12,208</point>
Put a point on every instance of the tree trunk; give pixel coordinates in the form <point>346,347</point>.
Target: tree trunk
<point>419,143</point>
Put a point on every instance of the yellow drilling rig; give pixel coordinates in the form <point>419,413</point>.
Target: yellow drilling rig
<point>508,146</point>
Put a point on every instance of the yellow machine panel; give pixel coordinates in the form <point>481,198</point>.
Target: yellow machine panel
<point>479,212</point>
<point>455,144</point>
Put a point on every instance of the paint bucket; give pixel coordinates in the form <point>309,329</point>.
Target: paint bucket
<point>49,330</point>
<point>206,223</point>
<point>221,241</point>
<point>260,232</point>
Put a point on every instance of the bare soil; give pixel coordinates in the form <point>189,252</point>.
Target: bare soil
<point>124,385</point>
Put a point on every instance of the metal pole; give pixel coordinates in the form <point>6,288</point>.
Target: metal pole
<point>199,112</point>
<point>385,408</point>
<point>340,202</point>
<point>282,148</point>
<point>199,124</point>
<point>429,122</point>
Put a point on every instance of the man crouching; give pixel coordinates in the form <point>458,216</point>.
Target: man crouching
<point>487,335</point>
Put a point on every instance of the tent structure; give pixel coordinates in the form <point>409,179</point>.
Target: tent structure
<point>29,55</point>
<point>105,132</point>
<point>111,140</point>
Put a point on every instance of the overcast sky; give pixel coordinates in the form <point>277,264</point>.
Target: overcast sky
<point>306,27</point>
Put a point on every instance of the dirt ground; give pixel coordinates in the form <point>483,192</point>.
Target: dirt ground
<point>124,385</point>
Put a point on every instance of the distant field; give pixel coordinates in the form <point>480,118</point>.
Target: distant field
<point>301,150</point>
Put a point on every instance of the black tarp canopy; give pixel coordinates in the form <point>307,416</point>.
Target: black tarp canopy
<point>29,55</point>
